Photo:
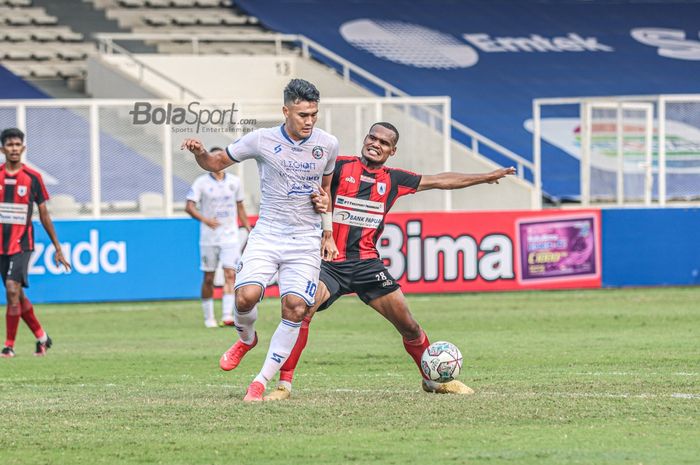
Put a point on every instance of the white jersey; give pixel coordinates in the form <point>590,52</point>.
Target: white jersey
<point>217,199</point>
<point>289,172</point>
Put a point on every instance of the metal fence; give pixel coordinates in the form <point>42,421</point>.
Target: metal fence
<point>120,157</point>
<point>632,150</point>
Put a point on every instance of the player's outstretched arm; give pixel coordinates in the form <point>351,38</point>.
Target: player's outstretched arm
<point>214,161</point>
<point>453,180</point>
<point>46,222</point>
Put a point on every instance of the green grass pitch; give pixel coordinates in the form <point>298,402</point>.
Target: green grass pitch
<point>570,377</point>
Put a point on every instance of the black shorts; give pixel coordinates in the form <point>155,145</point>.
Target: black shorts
<point>15,267</point>
<point>369,279</point>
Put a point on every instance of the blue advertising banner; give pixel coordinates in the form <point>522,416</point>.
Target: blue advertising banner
<point>494,57</point>
<point>117,260</point>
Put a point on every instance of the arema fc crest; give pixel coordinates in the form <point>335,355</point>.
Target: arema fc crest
<point>317,152</point>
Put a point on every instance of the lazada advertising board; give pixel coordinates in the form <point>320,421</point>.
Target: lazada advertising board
<point>493,251</point>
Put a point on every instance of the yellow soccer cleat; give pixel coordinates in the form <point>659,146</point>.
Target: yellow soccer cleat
<point>281,393</point>
<point>450,387</point>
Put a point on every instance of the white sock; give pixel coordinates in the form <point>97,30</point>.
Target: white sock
<point>281,346</point>
<point>285,384</point>
<point>44,337</point>
<point>208,309</point>
<point>227,304</point>
<point>245,324</point>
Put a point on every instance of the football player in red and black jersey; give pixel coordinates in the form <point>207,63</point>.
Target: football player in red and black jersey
<point>363,190</point>
<point>20,188</point>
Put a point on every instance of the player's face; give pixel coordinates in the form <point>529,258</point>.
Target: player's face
<point>13,149</point>
<point>378,145</point>
<point>300,118</point>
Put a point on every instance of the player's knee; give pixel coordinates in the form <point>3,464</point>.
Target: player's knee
<point>294,308</point>
<point>13,292</point>
<point>209,280</point>
<point>247,297</point>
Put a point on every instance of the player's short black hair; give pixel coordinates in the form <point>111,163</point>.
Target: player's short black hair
<point>390,127</point>
<point>215,149</point>
<point>11,133</point>
<point>299,90</point>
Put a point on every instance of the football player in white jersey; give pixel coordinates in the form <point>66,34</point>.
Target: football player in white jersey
<point>295,162</point>
<point>220,199</point>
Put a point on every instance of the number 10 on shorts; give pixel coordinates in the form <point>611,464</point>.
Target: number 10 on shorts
<point>311,288</point>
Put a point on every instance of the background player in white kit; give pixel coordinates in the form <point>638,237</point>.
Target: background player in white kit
<point>296,163</point>
<point>220,199</point>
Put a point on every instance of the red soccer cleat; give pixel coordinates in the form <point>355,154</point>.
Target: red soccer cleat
<point>234,355</point>
<point>255,392</point>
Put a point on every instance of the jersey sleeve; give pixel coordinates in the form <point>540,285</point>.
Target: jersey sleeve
<point>39,192</point>
<point>332,156</point>
<point>406,181</point>
<point>244,148</point>
<point>195,193</point>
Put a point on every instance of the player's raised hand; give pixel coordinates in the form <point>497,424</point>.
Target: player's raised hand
<point>320,201</point>
<point>329,250</point>
<point>495,175</point>
<point>193,145</point>
<point>58,258</point>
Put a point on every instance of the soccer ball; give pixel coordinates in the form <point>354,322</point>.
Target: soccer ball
<point>441,362</point>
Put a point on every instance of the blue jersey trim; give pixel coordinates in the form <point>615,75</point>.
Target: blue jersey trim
<point>231,156</point>
<point>262,286</point>
<point>310,304</point>
<point>286,136</point>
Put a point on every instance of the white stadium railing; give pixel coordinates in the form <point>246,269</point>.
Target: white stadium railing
<point>632,150</point>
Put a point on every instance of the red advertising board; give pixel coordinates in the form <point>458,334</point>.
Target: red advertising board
<point>493,251</point>
<point>431,252</point>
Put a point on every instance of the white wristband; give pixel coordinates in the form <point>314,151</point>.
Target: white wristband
<point>327,221</point>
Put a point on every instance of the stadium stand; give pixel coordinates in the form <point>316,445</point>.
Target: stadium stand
<point>494,64</point>
<point>35,45</point>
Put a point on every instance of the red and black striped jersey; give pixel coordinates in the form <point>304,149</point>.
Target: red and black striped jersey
<point>361,199</point>
<point>18,193</point>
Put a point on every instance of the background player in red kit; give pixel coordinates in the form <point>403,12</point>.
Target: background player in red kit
<point>363,191</point>
<point>20,188</point>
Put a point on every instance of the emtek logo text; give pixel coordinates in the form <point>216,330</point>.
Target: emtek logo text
<point>536,43</point>
<point>87,257</point>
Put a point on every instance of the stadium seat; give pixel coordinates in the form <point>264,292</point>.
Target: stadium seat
<point>18,20</point>
<point>63,205</point>
<point>45,20</point>
<point>209,20</point>
<point>158,3</point>
<point>151,203</point>
<point>70,36</point>
<point>45,35</point>
<point>17,35</point>
<point>132,3</point>
<point>184,20</point>
<point>157,21</point>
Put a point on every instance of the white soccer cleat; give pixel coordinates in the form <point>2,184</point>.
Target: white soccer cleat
<point>211,324</point>
<point>281,393</point>
<point>450,387</point>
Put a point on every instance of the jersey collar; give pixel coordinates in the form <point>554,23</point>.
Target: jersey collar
<point>286,136</point>
<point>211,175</point>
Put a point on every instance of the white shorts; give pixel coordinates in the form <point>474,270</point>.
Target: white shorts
<point>211,255</point>
<point>297,258</point>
